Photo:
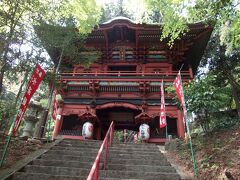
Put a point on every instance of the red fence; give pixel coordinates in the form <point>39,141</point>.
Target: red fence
<point>107,140</point>
<point>124,76</point>
<point>126,73</point>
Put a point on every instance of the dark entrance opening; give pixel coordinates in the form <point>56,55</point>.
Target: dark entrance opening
<point>156,132</point>
<point>71,126</point>
<point>122,117</point>
<point>172,127</point>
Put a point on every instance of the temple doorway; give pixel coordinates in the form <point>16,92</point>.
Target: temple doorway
<point>122,116</point>
<point>71,125</point>
<point>156,132</point>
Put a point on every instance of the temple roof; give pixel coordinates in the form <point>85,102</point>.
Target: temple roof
<point>121,31</point>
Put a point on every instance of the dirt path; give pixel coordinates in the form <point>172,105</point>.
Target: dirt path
<point>18,149</point>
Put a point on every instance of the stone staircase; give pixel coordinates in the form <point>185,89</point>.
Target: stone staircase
<point>72,159</point>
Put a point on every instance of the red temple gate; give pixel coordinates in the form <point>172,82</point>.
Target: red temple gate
<point>124,84</point>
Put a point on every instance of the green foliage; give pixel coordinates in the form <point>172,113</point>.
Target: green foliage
<point>118,136</point>
<point>86,14</point>
<point>68,42</point>
<point>175,14</point>
<point>205,94</point>
<point>19,48</point>
<point>223,120</point>
<point>7,109</point>
<point>173,23</point>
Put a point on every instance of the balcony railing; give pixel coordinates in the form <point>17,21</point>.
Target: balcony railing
<point>126,76</point>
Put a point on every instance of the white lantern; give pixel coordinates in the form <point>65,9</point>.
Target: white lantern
<point>144,132</point>
<point>87,130</point>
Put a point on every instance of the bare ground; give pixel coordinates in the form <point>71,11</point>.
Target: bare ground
<point>17,150</point>
<point>217,155</point>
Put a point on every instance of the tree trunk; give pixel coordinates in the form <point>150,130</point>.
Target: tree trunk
<point>1,80</point>
<point>226,70</point>
<point>235,96</point>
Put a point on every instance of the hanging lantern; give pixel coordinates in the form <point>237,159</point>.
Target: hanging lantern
<point>87,130</point>
<point>144,132</point>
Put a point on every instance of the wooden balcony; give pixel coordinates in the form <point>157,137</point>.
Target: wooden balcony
<point>124,76</point>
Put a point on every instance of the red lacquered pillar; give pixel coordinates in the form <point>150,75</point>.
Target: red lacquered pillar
<point>180,125</point>
<point>58,123</point>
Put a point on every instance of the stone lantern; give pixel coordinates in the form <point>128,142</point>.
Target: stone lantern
<point>31,118</point>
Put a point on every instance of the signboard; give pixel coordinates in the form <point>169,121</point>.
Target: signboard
<point>34,82</point>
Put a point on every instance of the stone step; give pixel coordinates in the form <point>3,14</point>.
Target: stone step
<point>73,159</point>
<point>94,145</point>
<point>85,149</point>
<point>142,156</point>
<point>82,158</point>
<point>75,141</point>
<point>116,157</point>
<point>139,174</point>
<point>41,176</point>
<point>142,167</point>
<point>63,144</point>
<point>63,163</point>
<point>112,153</point>
<point>62,171</point>
<point>68,171</point>
<point>128,161</point>
<point>133,145</point>
<point>111,159</point>
<point>145,153</point>
<point>73,153</point>
<point>135,148</point>
<point>111,149</point>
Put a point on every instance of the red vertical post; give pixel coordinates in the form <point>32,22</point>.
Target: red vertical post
<point>111,133</point>
<point>96,171</point>
<point>190,72</point>
<point>180,125</point>
<point>106,152</point>
<point>58,123</point>
<point>74,71</point>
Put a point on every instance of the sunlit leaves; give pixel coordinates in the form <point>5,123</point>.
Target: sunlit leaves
<point>205,94</point>
<point>172,18</point>
<point>18,43</point>
<point>175,14</point>
<point>86,13</point>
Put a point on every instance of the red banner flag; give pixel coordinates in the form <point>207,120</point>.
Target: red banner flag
<point>179,90</point>
<point>162,119</point>
<point>33,83</point>
<point>54,106</point>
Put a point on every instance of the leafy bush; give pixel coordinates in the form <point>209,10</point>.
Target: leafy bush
<point>7,109</point>
<point>223,120</point>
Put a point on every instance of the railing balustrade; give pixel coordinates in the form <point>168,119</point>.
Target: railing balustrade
<point>126,76</point>
<point>125,73</point>
<point>93,174</point>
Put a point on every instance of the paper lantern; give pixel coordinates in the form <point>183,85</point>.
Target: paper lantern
<point>144,132</point>
<point>87,130</point>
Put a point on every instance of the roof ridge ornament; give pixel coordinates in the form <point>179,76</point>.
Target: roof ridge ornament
<point>121,17</point>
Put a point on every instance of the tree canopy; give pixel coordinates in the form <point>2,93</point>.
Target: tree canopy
<point>222,53</point>
<point>18,46</point>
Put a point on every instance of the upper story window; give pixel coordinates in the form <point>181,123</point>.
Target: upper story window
<point>122,53</point>
<point>130,68</point>
<point>156,54</point>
